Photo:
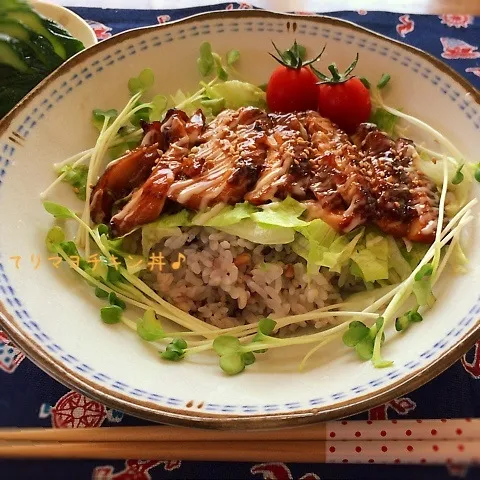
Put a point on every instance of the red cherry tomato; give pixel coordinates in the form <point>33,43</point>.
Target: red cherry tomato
<point>292,90</point>
<point>347,103</point>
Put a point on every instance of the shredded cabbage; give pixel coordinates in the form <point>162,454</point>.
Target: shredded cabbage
<point>371,258</point>
<point>230,215</point>
<point>238,94</point>
<point>281,214</point>
<point>257,233</point>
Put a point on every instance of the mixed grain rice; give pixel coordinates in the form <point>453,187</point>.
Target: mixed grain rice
<point>228,281</point>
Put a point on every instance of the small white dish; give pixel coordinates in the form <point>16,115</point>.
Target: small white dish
<point>74,24</point>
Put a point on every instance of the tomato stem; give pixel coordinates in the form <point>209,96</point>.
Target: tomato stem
<point>334,71</point>
<point>336,76</point>
<point>294,57</point>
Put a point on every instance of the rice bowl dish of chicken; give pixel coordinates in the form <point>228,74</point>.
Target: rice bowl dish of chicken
<point>233,224</point>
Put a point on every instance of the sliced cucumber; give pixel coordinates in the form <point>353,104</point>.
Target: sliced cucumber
<point>35,22</point>
<point>15,29</point>
<point>6,5</point>
<point>11,53</point>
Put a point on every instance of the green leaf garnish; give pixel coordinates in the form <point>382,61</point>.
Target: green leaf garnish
<point>364,348</point>
<point>216,105</point>
<point>111,314</point>
<point>266,326</point>
<point>175,350</point>
<point>57,210</point>
<point>232,363</point>
<point>414,316</point>
<point>365,82</point>
<point>356,332</point>
<point>171,355</point>
<point>69,248</point>
<point>99,117</point>
<point>114,300</point>
<point>103,229</point>
<point>55,236</point>
<point>99,293</point>
<point>382,83</point>
<point>221,72</point>
<point>458,178</point>
<point>422,290</point>
<point>477,173</point>
<point>77,178</point>
<point>113,275</point>
<point>226,344</point>
<point>248,358</point>
<point>149,328</point>
<point>159,105</point>
<point>232,57</point>
<point>402,323</point>
<point>179,343</point>
<point>425,271</point>
<point>206,61</point>
<point>143,82</point>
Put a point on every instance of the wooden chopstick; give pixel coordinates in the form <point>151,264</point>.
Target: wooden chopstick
<point>385,430</point>
<point>415,452</point>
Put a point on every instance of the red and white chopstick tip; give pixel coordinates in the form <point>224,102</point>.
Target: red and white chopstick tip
<point>416,452</point>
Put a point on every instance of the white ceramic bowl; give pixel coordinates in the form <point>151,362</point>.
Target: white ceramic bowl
<point>74,24</point>
<point>54,317</point>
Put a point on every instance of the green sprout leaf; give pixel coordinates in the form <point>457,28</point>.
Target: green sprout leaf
<point>179,343</point>
<point>458,178</point>
<point>114,300</point>
<point>143,82</point>
<point>422,290</point>
<point>175,350</point>
<point>77,178</point>
<point>114,276</point>
<point>149,328</point>
<point>111,314</point>
<point>382,83</point>
<point>221,72</point>
<point>248,358</point>
<point>232,363</point>
<point>365,82</point>
<point>103,229</point>
<point>402,323</point>
<point>232,57</point>
<point>356,332</point>
<point>159,105</point>
<point>147,78</point>
<point>55,237</point>
<point>216,105</point>
<point>226,344</point>
<point>57,210</point>
<point>99,293</point>
<point>266,326</point>
<point>364,348</point>
<point>425,271</point>
<point>414,316</point>
<point>171,355</point>
<point>99,117</point>
<point>206,61</point>
<point>142,115</point>
<point>70,249</point>
<point>477,173</point>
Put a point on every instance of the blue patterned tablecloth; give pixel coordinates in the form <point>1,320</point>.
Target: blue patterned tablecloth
<point>29,398</point>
